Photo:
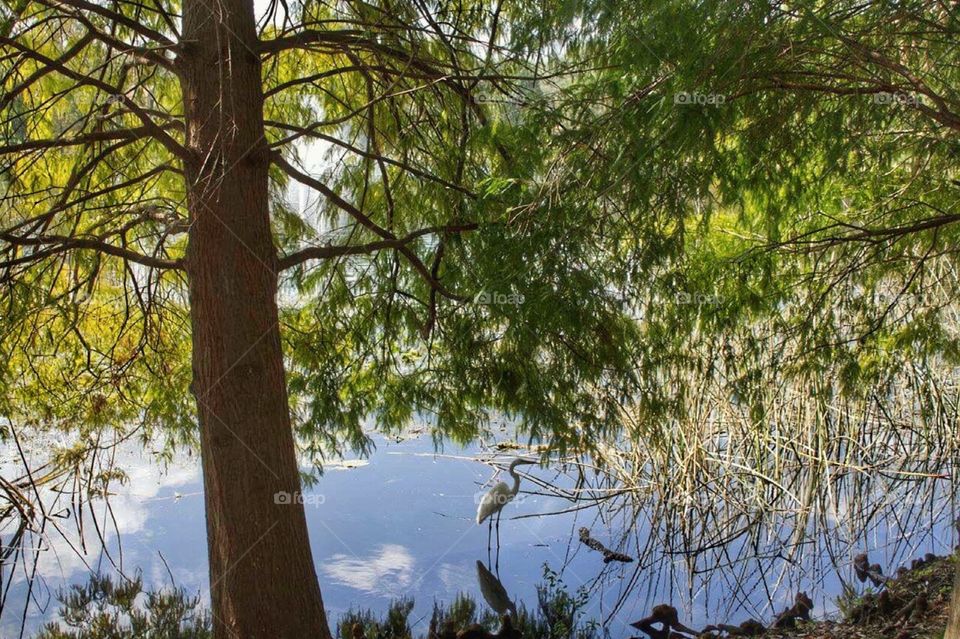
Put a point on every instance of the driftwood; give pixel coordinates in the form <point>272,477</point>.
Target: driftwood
<point>608,555</point>
<point>667,617</point>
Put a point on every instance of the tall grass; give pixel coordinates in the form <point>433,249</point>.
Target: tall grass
<point>757,504</point>
<point>716,496</point>
<point>107,608</point>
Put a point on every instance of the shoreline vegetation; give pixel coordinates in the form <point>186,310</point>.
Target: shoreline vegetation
<point>911,604</point>
<point>620,483</point>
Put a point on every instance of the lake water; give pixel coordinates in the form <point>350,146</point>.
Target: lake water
<point>402,523</point>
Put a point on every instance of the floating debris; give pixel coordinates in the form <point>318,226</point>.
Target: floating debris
<point>666,616</point>
<point>608,555</point>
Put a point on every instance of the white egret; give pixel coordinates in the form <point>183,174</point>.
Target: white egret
<point>496,498</point>
<point>494,593</point>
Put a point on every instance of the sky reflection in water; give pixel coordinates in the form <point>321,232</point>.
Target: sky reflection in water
<point>402,525</point>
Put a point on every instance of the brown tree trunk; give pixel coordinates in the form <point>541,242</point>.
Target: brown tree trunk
<point>262,577</point>
<point>953,622</point>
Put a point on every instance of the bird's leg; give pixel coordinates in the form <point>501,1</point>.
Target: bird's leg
<point>497,569</point>
<point>489,535</point>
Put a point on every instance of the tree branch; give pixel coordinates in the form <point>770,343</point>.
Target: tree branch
<point>866,235</point>
<point>114,17</point>
<point>323,252</point>
<point>151,127</point>
<point>68,55</point>
<point>310,132</point>
<point>85,138</point>
<point>365,221</point>
<point>53,245</point>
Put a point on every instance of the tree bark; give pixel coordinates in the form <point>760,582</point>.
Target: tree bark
<point>262,577</point>
<point>953,622</point>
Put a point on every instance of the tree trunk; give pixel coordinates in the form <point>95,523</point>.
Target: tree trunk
<point>262,577</point>
<point>953,622</point>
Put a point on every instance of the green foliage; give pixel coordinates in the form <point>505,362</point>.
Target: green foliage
<point>795,224</point>
<point>850,600</point>
<point>456,137</point>
<point>656,194</point>
<point>395,626</point>
<point>557,616</point>
<point>560,612</point>
<point>107,609</point>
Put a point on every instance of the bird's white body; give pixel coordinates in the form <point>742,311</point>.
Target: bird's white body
<point>493,591</point>
<point>493,502</point>
<point>495,499</point>
<point>501,494</point>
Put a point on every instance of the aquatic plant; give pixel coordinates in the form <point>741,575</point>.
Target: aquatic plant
<point>108,608</point>
<point>558,615</point>
<point>766,486</point>
<point>395,626</point>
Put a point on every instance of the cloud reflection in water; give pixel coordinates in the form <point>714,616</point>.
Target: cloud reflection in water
<point>388,571</point>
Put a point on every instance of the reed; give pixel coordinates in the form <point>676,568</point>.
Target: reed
<point>765,497</point>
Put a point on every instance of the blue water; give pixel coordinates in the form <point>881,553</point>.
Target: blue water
<point>402,524</point>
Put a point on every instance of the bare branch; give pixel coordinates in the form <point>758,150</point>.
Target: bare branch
<point>323,252</point>
<point>114,17</point>
<point>53,245</point>
<point>365,221</point>
<point>132,135</point>
<point>151,127</point>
